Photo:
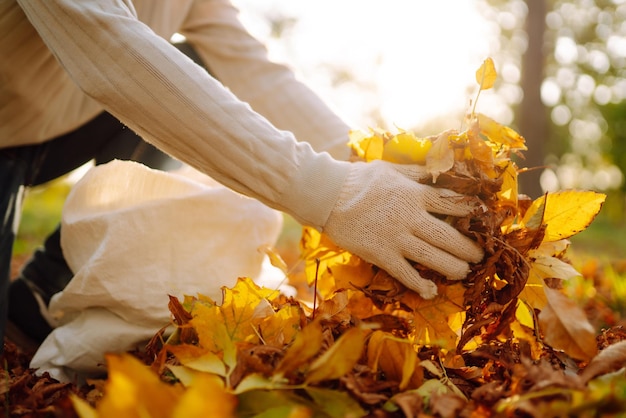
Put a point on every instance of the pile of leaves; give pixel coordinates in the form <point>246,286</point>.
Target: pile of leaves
<point>506,341</point>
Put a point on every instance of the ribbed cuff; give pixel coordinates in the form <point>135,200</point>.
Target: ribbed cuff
<point>314,189</point>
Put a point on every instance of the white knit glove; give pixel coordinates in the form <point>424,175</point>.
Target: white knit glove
<point>384,216</point>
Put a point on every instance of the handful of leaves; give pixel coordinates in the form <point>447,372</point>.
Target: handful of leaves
<point>506,339</point>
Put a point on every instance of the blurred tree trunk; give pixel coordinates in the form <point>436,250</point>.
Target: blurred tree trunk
<point>532,117</point>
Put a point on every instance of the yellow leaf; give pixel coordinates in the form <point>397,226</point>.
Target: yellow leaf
<point>282,327</point>
<point>206,397</point>
<point>405,148</point>
<point>566,213</point>
<point>367,147</point>
<point>500,134</point>
<point>240,308</point>
<point>396,358</point>
<point>132,390</point>
<point>306,345</point>
<point>508,190</point>
<point>566,327</point>
<point>440,157</point>
<point>213,334</point>
<point>533,293</point>
<point>198,359</point>
<point>431,315</point>
<point>486,74</point>
<point>82,408</point>
<point>524,332</point>
<point>275,259</point>
<point>339,359</point>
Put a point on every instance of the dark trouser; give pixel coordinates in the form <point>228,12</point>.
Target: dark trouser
<point>102,139</point>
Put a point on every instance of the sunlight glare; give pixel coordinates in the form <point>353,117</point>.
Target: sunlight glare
<point>416,59</point>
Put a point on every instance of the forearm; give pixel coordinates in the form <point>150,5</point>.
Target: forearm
<point>154,89</point>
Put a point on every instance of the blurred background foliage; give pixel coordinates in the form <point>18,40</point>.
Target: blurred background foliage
<point>563,66</point>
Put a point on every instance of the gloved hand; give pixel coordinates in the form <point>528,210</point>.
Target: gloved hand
<point>384,216</point>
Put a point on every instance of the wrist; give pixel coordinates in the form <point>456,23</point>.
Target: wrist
<point>314,188</point>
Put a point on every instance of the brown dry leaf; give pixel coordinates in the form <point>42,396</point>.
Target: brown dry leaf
<point>566,327</point>
<point>608,360</point>
<point>480,150</point>
<point>440,157</point>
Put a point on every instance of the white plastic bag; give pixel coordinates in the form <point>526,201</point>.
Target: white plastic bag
<point>132,236</point>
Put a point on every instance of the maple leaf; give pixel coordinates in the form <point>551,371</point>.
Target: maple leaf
<point>430,315</point>
<point>280,328</point>
<point>221,327</point>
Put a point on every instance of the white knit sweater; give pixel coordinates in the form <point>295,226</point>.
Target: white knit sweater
<point>63,61</point>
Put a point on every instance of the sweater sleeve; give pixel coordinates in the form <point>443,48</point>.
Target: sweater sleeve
<point>174,104</point>
<point>241,62</point>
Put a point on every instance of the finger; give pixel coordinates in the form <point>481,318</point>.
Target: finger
<point>405,273</point>
<point>415,249</point>
<point>447,202</point>
<point>413,172</point>
<point>435,232</point>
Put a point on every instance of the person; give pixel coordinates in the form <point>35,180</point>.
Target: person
<point>95,79</point>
